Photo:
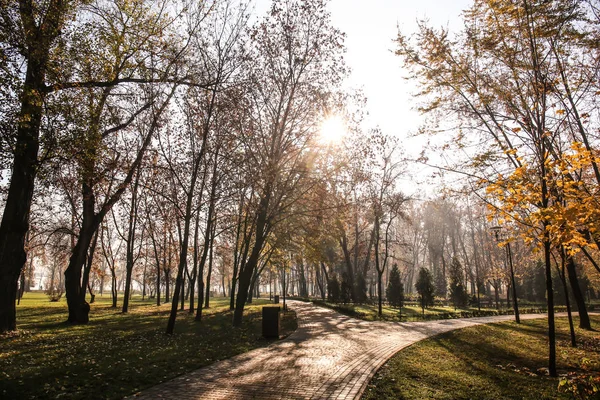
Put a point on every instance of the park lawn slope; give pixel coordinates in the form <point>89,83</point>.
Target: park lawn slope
<point>494,361</point>
<point>115,354</point>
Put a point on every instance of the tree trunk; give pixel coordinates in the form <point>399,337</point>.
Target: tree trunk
<point>102,281</point>
<point>15,218</point>
<point>21,287</point>
<point>156,259</point>
<point>233,288</point>
<point>182,261</point>
<point>131,240</point>
<point>200,294</point>
<point>348,262</point>
<point>195,275</point>
<point>195,268</point>
<point>128,273</point>
<point>167,286</point>
<point>251,289</point>
<point>113,287</point>
<point>239,254</point>
<point>144,281</point>
<point>563,279</point>
<point>550,300</point>
<point>496,295</point>
<point>92,295</point>
<point>185,242</point>
<point>78,308</point>
<point>182,288</point>
<point>584,319</point>
<point>210,267</point>
<point>88,266</point>
<point>158,285</point>
<point>284,286</point>
<point>320,278</point>
<point>380,292</point>
<point>207,244</point>
<point>252,262</point>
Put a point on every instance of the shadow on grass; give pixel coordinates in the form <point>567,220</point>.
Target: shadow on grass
<point>501,360</point>
<point>115,354</point>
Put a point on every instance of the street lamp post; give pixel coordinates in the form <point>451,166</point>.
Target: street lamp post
<point>497,233</point>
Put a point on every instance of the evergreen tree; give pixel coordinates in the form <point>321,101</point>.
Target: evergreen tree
<point>333,289</point>
<point>458,292</point>
<point>425,288</point>
<point>395,289</point>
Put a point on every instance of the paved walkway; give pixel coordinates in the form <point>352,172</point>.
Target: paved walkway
<point>330,356</point>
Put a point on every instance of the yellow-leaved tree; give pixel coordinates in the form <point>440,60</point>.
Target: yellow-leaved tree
<point>516,87</point>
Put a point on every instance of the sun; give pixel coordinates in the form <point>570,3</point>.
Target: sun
<point>333,129</point>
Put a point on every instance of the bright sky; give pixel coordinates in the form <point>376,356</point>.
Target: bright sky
<point>370,27</point>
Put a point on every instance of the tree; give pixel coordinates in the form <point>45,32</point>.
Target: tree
<point>295,59</point>
<point>35,31</point>
<point>509,79</point>
<point>346,289</point>
<point>111,254</point>
<point>131,254</point>
<point>78,56</point>
<point>386,203</point>
<point>333,289</point>
<point>188,159</point>
<point>395,288</point>
<point>458,292</point>
<point>425,288</point>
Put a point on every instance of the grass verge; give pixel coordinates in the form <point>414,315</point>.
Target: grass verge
<point>117,354</point>
<point>496,361</point>
<point>369,312</point>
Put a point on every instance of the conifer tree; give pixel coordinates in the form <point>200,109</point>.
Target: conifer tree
<point>425,288</point>
<point>395,289</point>
<point>458,292</point>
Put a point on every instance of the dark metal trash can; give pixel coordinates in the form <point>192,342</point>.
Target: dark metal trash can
<point>271,322</point>
<point>276,299</point>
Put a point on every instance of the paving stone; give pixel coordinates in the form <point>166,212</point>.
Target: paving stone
<point>330,356</point>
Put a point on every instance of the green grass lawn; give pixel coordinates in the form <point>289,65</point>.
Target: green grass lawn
<point>116,354</point>
<point>498,361</point>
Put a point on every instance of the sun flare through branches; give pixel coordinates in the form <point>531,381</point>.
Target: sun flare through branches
<point>333,129</point>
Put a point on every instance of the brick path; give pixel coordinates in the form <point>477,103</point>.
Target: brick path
<point>330,356</point>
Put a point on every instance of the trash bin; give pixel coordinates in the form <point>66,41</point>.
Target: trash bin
<point>276,299</point>
<point>271,321</point>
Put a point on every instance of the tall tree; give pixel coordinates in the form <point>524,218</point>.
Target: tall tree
<point>386,203</point>
<point>220,62</point>
<point>32,29</point>
<point>296,58</point>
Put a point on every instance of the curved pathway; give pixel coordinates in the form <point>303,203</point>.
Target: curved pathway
<point>330,356</point>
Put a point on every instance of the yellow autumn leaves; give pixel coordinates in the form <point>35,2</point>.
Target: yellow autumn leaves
<point>573,209</point>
